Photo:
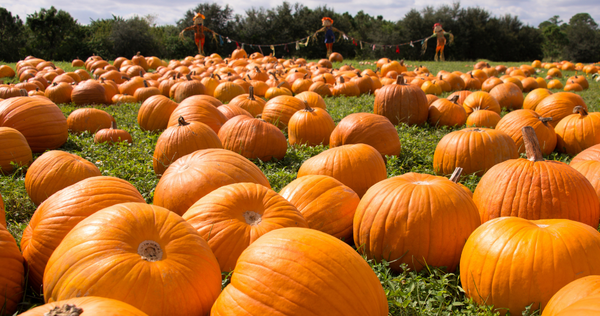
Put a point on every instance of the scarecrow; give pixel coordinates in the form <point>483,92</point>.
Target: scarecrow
<point>199,30</point>
<point>438,32</point>
<point>329,35</point>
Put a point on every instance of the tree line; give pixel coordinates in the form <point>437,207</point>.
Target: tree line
<point>55,35</point>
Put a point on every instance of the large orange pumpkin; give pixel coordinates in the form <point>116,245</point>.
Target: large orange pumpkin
<point>510,262</point>
<point>232,217</point>
<point>196,109</point>
<point>249,103</point>
<point>89,92</point>
<point>483,118</point>
<point>154,113</point>
<point>416,219</point>
<point>592,153</point>
<point>124,248</point>
<point>534,188</point>
<point>310,126</point>
<point>402,103</point>
<point>193,176</point>
<point>578,131</point>
<point>367,128</point>
<point>253,138</point>
<point>54,171</point>
<point>508,95</point>
<point>476,150</point>
<point>580,289</point>
<point>444,112</point>
<point>86,306</point>
<point>12,277</point>
<point>13,150</point>
<point>534,97</point>
<point>559,105</point>
<point>298,271</point>
<point>326,203</point>
<point>513,123</point>
<point>481,100</point>
<point>88,120</point>
<point>358,166</point>
<point>38,119</point>
<point>279,110</point>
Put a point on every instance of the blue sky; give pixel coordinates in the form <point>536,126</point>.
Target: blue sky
<point>531,12</point>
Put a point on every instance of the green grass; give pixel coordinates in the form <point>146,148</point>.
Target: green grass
<point>430,292</point>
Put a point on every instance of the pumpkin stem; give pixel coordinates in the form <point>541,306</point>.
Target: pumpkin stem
<point>188,76</point>
<point>342,79</point>
<point>113,125</point>
<point>218,76</point>
<point>579,109</point>
<point>454,99</point>
<point>141,74</point>
<point>307,107</point>
<point>252,218</point>
<point>145,84</point>
<point>65,310</point>
<point>251,93</point>
<point>545,120</point>
<point>532,145</point>
<point>150,251</point>
<point>400,79</point>
<point>181,121</point>
<point>456,175</point>
<point>23,92</point>
<point>280,84</point>
<point>305,75</point>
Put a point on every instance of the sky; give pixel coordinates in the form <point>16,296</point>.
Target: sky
<point>530,12</point>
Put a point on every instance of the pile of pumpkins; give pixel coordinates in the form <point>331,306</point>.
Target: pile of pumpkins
<point>526,235</point>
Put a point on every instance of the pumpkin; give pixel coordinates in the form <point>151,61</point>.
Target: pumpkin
<point>212,100</point>
<point>54,171</point>
<point>483,118</point>
<point>87,305</point>
<point>310,126</point>
<point>559,105</point>
<point>326,204</point>
<point>154,113</point>
<point>580,289</point>
<point>188,88</point>
<point>226,91</point>
<point>358,166</point>
<point>193,176</point>
<point>253,138</point>
<point>513,123</point>
<point>444,112</point>
<point>592,153</point>
<point>345,88</point>
<point>180,140</point>
<point>367,128</point>
<point>402,103</point>
<point>88,92</point>
<point>248,102</point>
<point>2,213</point>
<point>508,95</point>
<point>59,92</point>
<point>456,82</point>
<point>230,111</point>
<point>476,150</point>
<point>580,80</point>
<point>415,219</point>
<point>123,99</point>
<point>510,262</point>
<point>60,212</point>
<point>471,82</point>
<point>196,109</point>
<point>279,110</point>
<point>278,90</point>
<point>529,84</point>
<point>13,150</point>
<point>534,97</point>
<point>38,119</point>
<point>299,270</point>
<point>100,257</point>
<point>314,99</point>
<point>573,87</point>
<point>364,83</point>
<point>6,71</point>
<point>555,84</point>
<point>88,120</point>
<point>112,135</point>
<point>130,85</point>
<point>232,217</point>
<point>12,277</point>
<point>578,131</point>
<point>480,100</point>
<point>554,190</point>
<point>144,93</point>
<point>490,83</point>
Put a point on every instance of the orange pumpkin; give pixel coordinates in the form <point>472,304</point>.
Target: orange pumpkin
<point>462,96</point>
<point>402,103</point>
<point>508,95</point>
<point>510,262</point>
<point>279,110</point>
<point>13,149</point>
<point>188,88</point>
<point>416,219</point>
<point>230,111</point>
<point>253,138</point>
<point>2,212</point>
<point>535,97</point>
<point>480,100</point>
<point>358,166</point>
<point>578,131</point>
<point>196,109</point>
<point>554,190</point>
<point>483,118</point>
<point>232,217</point>
<point>88,92</point>
<point>580,289</point>
<point>112,135</point>
<point>86,306</point>
<point>592,153</point>
<point>306,268</point>
<point>367,128</point>
<point>59,92</point>
<point>226,91</point>
<point>13,276</point>
<point>193,176</point>
<point>559,105</point>
<point>513,123</point>
<point>310,126</point>
<point>54,171</point>
<point>154,113</point>
<point>444,112</point>
<point>100,257</point>
<point>249,103</point>
<point>88,120</point>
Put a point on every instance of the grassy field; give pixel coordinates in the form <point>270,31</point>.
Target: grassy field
<point>430,292</point>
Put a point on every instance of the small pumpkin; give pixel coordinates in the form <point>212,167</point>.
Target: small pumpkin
<point>144,93</point>
<point>248,102</point>
<point>197,109</point>
<point>578,131</point>
<point>402,103</point>
<point>226,91</point>
<point>154,113</point>
<point>13,150</point>
<point>59,92</point>
<point>534,97</point>
<point>444,112</point>
<point>310,126</point>
<point>508,95</point>
<point>188,88</point>
<point>112,135</point>
<point>483,118</point>
<point>253,138</point>
<point>88,92</point>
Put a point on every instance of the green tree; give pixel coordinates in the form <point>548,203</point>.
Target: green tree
<point>54,35</point>
<point>584,39</point>
<point>12,36</point>
<point>131,36</point>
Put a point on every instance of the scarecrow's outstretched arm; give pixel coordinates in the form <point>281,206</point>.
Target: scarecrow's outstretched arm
<point>189,28</point>
<point>424,45</point>
<point>341,32</point>
<point>451,37</point>
<point>319,30</point>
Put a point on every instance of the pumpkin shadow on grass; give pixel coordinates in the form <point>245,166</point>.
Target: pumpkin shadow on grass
<point>71,145</point>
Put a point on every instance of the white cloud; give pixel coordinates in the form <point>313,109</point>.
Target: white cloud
<point>530,12</point>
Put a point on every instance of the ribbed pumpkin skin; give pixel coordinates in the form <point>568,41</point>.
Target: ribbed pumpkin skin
<point>226,91</point>
<point>578,132</point>
<point>534,97</point>
<point>101,257</point>
<point>13,148</point>
<point>559,105</point>
<point>508,95</point>
<point>476,150</point>
<point>279,110</point>
<point>462,96</point>
<point>54,171</point>
<point>300,271</point>
<point>327,204</point>
<point>88,92</point>
<point>2,212</point>
<point>195,175</point>
<point>415,219</point>
<point>367,128</point>
<point>91,305</point>
<point>112,135</point>
<point>232,217</point>
<point>195,109</point>
<point>513,122</point>
<point>155,112</point>
<point>402,103</point>
<point>253,138</point>
<point>38,119</point>
<point>231,111</point>
<point>311,126</point>
<point>187,89</point>
<point>253,105</point>
<point>314,99</point>
<point>483,118</point>
<point>536,190</point>
<point>90,120</point>
<point>480,100</point>
<point>58,214</point>
<point>12,277</point>
<point>511,262</point>
<point>180,140</point>
<point>443,112</point>
<point>59,92</point>
<point>590,169</point>
<point>587,306</point>
<point>358,166</point>
<point>592,153</point>
<point>572,293</point>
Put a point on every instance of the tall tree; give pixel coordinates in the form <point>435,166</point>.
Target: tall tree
<point>584,39</point>
<point>131,36</point>
<point>54,34</point>
<point>12,36</point>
